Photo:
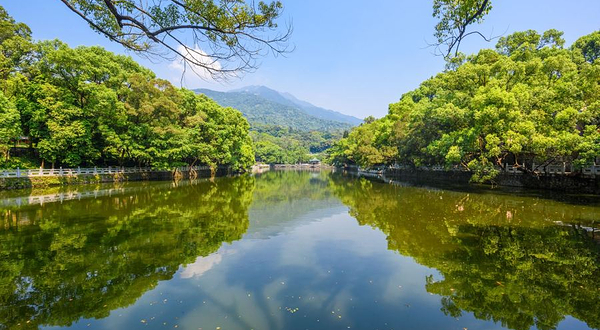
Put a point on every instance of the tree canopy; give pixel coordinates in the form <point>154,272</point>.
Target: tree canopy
<point>529,101</point>
<point>218,37</point>
<point>88,106</point>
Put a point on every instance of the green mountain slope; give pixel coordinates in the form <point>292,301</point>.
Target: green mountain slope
<point>306,107</point>
<point>261,111</point>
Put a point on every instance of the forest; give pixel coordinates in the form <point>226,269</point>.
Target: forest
<point>531,100</point>
<point>87,106</point>
<point>284,145</point>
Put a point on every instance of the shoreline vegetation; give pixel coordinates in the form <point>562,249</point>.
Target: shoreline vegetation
<point>528,105</point>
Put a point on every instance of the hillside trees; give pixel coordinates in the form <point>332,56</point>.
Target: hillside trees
<point>88,106</point>
<point>269,115</point>
<point>529,101</point>
<point>286,148</point>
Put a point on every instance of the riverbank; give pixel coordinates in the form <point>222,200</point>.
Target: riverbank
<point>61,177</point>
<point>301,166</point>
<point>566,183</point>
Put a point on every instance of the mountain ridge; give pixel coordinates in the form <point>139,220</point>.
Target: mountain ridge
<point>261,111</point>
<point>290,100</point>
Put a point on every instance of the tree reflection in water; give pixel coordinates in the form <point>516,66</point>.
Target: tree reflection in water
<point>521,261</point>
<point>64,261</point>
<point>503,258</point>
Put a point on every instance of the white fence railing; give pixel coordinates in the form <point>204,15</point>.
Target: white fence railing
<point>554,169</point>
<point>26,173</point>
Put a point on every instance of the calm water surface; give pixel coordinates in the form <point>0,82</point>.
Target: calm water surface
<point>297,250</point>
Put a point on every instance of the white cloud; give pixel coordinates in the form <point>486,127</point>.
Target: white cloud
<point>193,75</point>
<point>201,266</point>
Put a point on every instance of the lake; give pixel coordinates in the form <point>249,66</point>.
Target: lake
<point>297,250</point>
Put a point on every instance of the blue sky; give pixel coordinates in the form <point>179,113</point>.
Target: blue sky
<point>355,57</point>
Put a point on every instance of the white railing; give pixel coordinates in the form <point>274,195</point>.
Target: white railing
<point>195,168</point>
<point>556,169</point>
<point>26,173</point>
<point>553,169</point>
<point>592,170</point>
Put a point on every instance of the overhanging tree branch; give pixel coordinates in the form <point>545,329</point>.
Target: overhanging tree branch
<point>221,38</point>
<point>455,17</point>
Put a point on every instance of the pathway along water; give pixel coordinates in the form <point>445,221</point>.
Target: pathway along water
<point>298,250</point>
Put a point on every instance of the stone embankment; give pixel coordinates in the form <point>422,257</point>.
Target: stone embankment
<point>586,181</point>
<point>35,178</point>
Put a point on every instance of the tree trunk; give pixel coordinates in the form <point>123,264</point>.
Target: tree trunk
<point>121,157</point>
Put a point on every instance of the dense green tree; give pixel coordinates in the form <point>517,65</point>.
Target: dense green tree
<point>269,152</point>
<point>88,106</point>
<point>9,125</point>
<point>15,44</point>
<point>153,108</point>
<point>530,101</point>
<point>16,47</point>
<point>227,134</point>
<point>589,46</point>
<point>367,145</point>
